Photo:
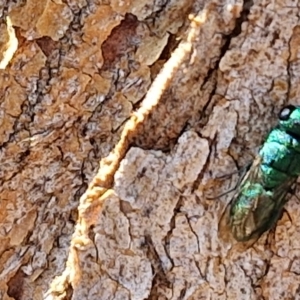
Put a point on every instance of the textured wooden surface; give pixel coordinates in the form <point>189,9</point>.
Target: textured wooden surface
<point>168,97</point>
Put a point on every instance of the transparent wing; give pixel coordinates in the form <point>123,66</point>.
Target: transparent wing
<point>254,210</point>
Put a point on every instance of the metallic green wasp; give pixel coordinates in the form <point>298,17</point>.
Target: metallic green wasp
<point>262,193</point>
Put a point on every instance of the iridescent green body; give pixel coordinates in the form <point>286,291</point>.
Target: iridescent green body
<point>260,197</point>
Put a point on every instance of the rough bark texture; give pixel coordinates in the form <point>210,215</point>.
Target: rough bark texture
<point>167,96</point>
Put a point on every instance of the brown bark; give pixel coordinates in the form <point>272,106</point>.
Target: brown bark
<point>167,96</point>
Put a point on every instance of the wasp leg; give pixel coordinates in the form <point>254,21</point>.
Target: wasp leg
<point>225,193</point>
<point>293,191</point>
<point>242,171</point>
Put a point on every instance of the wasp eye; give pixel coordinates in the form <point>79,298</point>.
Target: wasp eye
<point>286,112</point>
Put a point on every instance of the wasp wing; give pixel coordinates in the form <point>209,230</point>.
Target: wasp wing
<point>254,209</point>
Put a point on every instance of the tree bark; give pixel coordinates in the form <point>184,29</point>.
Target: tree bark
<point>168,96</point>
